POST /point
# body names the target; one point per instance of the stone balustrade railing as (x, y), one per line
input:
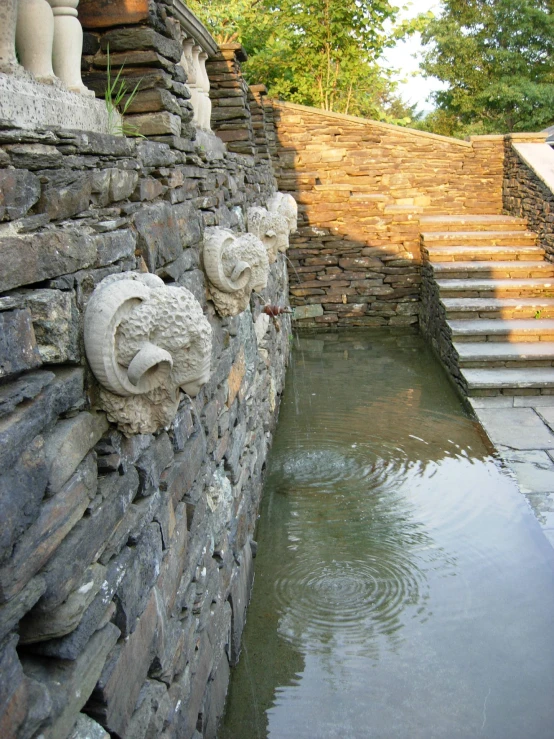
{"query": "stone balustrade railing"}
(48, 38)
(193, 62)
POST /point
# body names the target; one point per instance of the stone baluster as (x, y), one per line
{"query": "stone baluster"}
(206, 109)
(34, 38)
(68, 45)
(8, 20)
(191, 54)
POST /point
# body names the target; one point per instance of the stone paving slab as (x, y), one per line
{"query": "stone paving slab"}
(517, 428)
(534, 470)
(523, 438)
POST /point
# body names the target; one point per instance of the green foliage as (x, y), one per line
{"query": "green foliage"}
(321, 53)
(497, 60)
(118, 100)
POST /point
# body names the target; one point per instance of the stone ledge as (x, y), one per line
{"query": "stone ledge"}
(31, 105)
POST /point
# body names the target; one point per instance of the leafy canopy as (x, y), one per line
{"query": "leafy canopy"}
(321, 53)
(496, 58)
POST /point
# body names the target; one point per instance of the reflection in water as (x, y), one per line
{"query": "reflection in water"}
(402, 588)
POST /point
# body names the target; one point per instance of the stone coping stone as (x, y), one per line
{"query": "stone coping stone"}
(539, 158)
(32, 105)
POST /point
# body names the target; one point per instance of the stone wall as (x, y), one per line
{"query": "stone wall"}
(125, 560)
(526, 195)
(360, 187)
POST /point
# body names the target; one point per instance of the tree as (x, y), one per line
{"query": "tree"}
(321, 53)
(497, 60)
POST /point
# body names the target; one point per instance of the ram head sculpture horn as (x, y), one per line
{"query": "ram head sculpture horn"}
(145, 341)
(235, 266)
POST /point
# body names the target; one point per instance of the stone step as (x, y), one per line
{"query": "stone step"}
(516, 355)
(500, 270)
(457, 308)
(502, 381)
(499, 330)
(479, 238)
(471, 223)
(437, 254)
(482, 288)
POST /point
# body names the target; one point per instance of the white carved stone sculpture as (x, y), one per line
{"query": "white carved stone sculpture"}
(271, 228)
(144, 341)
(285, 205)
(68, 45)
(8, 20)
(188, 64)
(235, 265)
(205, 113)
(35, 37)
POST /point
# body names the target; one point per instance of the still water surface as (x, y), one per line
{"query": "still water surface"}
(403, 588)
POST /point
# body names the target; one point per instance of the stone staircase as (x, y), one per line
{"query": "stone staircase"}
(488, 303)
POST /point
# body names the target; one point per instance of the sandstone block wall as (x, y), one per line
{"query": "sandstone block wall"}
(361, 186)
(125, 562)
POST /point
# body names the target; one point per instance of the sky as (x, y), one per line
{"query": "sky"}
(413, 88)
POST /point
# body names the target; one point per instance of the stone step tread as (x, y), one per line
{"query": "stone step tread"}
(478, 235)
(517, 251)
(505, 350)
(475, 304)
(471, 283)
(501, 326)
(511, 265)
(501, 377)
(473, 219)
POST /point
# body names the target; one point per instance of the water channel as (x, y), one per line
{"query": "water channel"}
(403, 588)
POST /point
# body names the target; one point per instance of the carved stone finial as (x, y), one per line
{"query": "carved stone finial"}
(144, 341)
(271, 228)
(235, 265)
(285, 205)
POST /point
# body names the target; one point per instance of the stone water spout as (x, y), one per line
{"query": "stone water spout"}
(271, 228)
(144, 341)
(235, 265)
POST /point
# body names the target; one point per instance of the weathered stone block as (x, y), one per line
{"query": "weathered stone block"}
(155, 124)
(74, 681)
(57, 517)
(61, 393)
(139, 38)
(239, 598)
(37, 627)
(153, 462)
(88, 537)
(21, 490)
(61, 200)
(111, 247)
(118, 688)
(97, 614)
(14, 610)
(68, 444)
(55, 322)
(36, 257)
(14, 698)
(24, 388)
(86, 728)
(142, 572)
(19, 191)
(18, 347)
(151, 713)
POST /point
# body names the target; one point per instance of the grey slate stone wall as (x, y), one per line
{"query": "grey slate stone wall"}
(125, 563)
(526, 196)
